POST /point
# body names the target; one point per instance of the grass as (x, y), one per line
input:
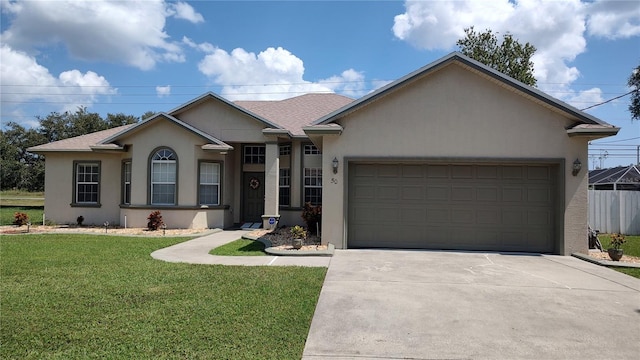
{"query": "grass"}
(240, 247)
(630, 247)
(93, 296)
(34, 213)
(21, 198)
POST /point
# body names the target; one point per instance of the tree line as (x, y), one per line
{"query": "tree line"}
(20, 169)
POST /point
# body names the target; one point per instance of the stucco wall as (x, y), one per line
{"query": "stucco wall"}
(224, 122)
(59, 188)
(455, 113)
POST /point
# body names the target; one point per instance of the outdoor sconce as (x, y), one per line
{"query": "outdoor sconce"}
(335, 163)
(577, 166)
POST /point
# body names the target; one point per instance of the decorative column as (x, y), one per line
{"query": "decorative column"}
(271, 186)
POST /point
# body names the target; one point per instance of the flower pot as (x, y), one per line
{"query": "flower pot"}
(615, 254)
(297, 243)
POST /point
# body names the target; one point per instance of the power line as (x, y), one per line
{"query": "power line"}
(606, 101)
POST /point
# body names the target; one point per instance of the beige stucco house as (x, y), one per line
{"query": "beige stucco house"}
(452, 156)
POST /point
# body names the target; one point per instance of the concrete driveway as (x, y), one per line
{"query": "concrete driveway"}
(388, 304)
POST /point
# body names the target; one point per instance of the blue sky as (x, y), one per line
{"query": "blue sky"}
(134, 56)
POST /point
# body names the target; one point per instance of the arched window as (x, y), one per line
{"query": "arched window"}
(164, 164)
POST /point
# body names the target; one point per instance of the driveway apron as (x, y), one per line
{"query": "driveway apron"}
(469, 305)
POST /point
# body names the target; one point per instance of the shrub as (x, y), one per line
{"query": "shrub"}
(20, 218)
(312, 215)
(80, 220)
(155, 220)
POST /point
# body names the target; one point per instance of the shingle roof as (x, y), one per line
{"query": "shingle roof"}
(296, 112)
(79, 143)
(617, 175)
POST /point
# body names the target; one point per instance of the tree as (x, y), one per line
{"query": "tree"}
(21, 169)
(509, 57)
(120, 119)
(634, 83)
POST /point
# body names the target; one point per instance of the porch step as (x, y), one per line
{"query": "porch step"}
(251, 226)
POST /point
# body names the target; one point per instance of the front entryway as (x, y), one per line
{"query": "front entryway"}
(252, 196)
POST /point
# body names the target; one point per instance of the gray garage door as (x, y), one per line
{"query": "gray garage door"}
(452, 206)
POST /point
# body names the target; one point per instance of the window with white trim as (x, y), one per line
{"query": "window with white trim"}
(254, 154)
(313, 185)
(285, 149)
(87, 183)
(163, 177)
(209, 190)
(126, 182)
(285, 187)
(310, 149)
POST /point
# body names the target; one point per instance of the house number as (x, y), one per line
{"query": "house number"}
(334, 180)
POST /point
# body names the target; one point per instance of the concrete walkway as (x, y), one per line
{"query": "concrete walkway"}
(196, 251)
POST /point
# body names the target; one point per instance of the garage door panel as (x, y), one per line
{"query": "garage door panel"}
(387, 192)
(462, 193)
(512, 194)
(413, 192)
(462, 172)
(438, 192)
(437, 216)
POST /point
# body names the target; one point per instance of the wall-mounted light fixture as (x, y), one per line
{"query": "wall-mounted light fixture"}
(577, 166)
(335, 164)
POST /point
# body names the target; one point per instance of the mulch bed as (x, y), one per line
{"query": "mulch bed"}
(282, 239)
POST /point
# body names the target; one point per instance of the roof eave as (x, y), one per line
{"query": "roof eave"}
(593, 133)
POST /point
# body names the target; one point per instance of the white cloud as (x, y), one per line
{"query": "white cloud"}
(25, 81)
(130, 32)
(585, 98)
(186, 12)
(350, 83)
(163, 90)
(556, 28)
(273, 74)
(204, 47)
(614, 19)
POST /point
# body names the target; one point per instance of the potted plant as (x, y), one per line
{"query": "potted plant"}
(299, 234)
(615, 252)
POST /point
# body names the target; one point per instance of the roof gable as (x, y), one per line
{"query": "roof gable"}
(580, 117)
(210, 96)
(159, 117)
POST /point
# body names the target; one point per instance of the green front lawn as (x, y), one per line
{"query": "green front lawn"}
(34, 213)
(240, 247)
(91, 296)
(631, 247)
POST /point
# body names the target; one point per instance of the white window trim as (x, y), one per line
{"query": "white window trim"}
(200, 183)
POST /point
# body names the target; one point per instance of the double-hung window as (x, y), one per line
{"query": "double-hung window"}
(285, 187)
(87, 183)
(126, 182)
(164, 164)
(313, 185)
(209, 186)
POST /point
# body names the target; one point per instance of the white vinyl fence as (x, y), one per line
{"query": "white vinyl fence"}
(615, 211)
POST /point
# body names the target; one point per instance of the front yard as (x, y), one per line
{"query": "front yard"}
(90, 296)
